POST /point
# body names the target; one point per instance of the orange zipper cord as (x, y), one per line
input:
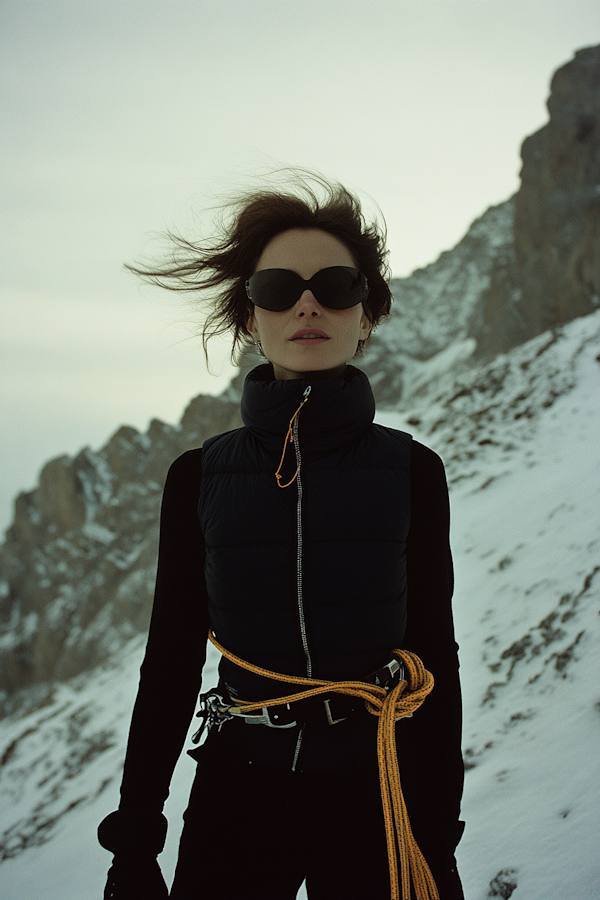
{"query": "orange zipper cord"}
(289, 438)
(398, 703)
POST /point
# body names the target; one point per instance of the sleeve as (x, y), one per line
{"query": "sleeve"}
(429, 744)
(171, 672)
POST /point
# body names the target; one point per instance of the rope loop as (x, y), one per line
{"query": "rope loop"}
(289, 438)
(405, 859)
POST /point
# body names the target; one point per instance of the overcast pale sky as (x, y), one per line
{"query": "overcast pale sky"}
(123, 118)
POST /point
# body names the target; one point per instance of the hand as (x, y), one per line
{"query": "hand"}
(135, 878)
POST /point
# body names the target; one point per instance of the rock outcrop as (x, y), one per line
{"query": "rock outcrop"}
(79, 560)
(556, 276)
(439, 306)
(526, 265)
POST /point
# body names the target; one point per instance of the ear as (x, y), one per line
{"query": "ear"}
(251, 328)
(365, 327)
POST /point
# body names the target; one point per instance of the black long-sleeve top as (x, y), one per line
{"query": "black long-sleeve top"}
(428, 744)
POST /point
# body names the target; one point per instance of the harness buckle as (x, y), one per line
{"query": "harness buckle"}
(330, 718)
(394, 667)
(266, 716)
(385, 677)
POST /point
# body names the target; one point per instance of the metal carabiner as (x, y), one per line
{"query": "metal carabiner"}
(213, 711)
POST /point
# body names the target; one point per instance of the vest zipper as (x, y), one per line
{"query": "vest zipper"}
(299, 574)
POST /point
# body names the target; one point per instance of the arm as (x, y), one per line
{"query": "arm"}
(171, 672)
(430, 742)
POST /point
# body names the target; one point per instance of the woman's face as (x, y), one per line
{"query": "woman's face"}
(286, 336)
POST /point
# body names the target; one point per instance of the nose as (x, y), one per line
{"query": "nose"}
(308, 306)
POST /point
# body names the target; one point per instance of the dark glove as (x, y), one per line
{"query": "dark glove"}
(136, 837)
(135, 878)
(133, 830)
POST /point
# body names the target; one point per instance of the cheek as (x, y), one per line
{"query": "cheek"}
(266, 325)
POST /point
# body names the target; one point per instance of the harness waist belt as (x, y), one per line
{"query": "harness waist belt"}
(327, 709)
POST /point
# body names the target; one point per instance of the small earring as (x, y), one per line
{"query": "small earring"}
(259, 348)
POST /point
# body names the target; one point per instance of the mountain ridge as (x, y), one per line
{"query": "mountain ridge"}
(77, 564)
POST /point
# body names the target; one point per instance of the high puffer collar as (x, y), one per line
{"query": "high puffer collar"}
(337, 412)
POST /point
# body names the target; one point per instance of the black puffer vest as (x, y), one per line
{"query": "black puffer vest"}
(311, 578)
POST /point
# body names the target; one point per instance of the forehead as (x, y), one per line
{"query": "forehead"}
(305, 251)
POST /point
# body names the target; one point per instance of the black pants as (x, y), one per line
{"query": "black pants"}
(255, 833)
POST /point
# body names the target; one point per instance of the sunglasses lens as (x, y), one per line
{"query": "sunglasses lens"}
(275, 289)
(337, 287)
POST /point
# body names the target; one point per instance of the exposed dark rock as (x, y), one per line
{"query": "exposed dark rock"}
(530, 650)
(79, 560)
(555, 273)
(525, 266)
(438, 305)
(503, 884)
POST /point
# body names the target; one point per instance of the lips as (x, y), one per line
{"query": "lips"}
(308, 335)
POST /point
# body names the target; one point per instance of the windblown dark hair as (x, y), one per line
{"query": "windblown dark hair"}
(254, 218)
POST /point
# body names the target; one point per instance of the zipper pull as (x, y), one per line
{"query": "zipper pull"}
(305, 395)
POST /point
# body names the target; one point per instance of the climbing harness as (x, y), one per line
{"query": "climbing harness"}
(215, 709)
(389, 705)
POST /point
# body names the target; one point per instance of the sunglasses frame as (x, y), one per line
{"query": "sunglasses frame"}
(307, 284)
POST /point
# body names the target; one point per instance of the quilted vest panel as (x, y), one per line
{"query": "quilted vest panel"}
(353, 527)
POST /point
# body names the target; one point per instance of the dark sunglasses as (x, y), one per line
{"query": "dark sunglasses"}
(337, 287)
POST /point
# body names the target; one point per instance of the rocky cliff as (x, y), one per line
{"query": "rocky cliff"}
(79, 560)
(526, 265)
(77, 566)
(556, 276)
(436, 309)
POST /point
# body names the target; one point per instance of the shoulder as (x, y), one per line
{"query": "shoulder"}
(187, 462)
(184, 475)
(395, 445)
(226, 438)
(392, 434)
(226, 451)
(182, 489)
(425, 460)
(428, 487)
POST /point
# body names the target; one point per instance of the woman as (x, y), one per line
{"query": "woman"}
(313, 543)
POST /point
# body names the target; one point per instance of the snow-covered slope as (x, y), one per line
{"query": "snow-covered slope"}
(60, 774)
(521, 439)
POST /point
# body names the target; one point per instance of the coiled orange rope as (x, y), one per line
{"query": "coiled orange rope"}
(399, 703)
